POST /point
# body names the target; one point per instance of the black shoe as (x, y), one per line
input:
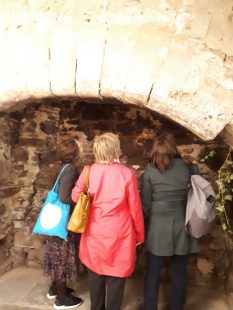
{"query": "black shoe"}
(53, 294)
(69, 302)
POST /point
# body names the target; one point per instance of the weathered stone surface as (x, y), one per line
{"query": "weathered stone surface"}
(62, 59)
(145, 63)
(117, 53)
(125, 50)
(32, 160)
(9, 191)
(91, 39)
(6, 266)
(220, 32)
(227, 134)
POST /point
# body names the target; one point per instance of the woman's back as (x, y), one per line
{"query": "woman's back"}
(109, 187)
(164, 191)
(164, 202)
(108, 244)
(172, 184)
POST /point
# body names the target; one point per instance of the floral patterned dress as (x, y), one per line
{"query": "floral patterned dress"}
(61, 261)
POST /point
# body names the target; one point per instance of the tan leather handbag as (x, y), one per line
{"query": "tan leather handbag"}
(79, 218)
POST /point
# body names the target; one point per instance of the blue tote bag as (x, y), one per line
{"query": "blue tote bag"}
(54, 215)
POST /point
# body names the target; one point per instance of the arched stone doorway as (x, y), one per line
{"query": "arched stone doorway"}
(173, 58)
(28, 158)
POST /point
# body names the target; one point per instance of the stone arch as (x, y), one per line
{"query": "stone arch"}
(173, 57)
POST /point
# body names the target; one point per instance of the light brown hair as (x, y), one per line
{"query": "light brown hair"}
(163, 151)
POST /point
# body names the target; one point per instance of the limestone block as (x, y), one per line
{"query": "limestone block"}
(205, 67)
(151, 47)
(124, 5)
(57, 48)
(8, 7)
(62, 54)
(90, 7)
(152, 5)
(195, 111)
(12, 87)
(36, 55)
(65, 7)
(176, 67)
(23, 63)
(160, 12)
(90, 52)
(117, 54)
(198, 22)
(220, 32)
(203, 96)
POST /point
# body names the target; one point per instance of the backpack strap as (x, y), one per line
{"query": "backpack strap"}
(191, 169)
(55, 186)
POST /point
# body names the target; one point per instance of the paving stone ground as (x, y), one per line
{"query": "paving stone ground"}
(25, 289)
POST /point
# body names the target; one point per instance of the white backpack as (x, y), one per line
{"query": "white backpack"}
(200, 208)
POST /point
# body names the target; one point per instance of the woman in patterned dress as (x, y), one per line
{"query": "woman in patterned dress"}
(61, 262)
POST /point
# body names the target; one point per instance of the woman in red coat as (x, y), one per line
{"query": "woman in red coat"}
(115, 226)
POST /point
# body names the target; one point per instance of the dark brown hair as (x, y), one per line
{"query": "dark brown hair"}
(67, 151)
(163, 151)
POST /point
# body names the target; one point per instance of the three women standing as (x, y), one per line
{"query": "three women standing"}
(116, 225)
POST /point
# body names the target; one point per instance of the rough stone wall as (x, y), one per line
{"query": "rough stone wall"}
(173, 56)
(28, 160)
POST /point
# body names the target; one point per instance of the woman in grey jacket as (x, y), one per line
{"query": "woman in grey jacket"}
(164, 189)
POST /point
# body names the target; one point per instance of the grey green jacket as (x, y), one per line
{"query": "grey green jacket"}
(164, 202)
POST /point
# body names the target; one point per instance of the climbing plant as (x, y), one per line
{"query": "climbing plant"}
(224, 197)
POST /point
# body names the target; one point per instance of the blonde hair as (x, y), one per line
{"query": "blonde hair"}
(106, 148)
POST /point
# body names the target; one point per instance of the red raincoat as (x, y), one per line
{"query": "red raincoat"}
(115, 223)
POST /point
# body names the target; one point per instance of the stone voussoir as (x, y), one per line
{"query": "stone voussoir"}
(140, 53)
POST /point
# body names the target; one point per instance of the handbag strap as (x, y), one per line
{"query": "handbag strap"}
(86, 178)
(56, 183)
(191, 169)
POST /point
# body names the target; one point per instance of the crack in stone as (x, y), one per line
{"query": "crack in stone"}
(102, 64)
(50, 87)
(50, 83)
(208, 28)
(49, 53)
(148, 98)
(106, 4)
(75, 75)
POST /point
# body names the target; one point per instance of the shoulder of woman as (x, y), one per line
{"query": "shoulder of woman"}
(70, 168)
(148, 167)
(128, 170)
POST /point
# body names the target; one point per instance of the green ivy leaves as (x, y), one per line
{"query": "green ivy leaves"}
(224, 197)
(209, 155)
